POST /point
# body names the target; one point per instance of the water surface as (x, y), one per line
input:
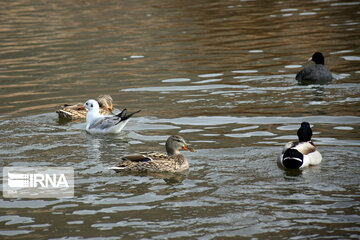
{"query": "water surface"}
(222, 75)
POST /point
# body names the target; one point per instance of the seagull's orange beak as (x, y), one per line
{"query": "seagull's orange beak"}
(111, 109)
(188, 148)
(81, 108)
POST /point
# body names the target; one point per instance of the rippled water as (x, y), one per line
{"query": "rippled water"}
(219, 73)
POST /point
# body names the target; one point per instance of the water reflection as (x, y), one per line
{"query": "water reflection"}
(292, 174)
(93, 148)
(169, 178)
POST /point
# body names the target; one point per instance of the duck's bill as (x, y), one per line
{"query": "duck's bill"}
(188, 148)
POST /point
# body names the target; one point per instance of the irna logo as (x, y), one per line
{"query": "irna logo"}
(45, 180)
(41, 182)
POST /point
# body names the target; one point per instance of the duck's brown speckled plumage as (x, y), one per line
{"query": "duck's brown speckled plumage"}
(77, 111)
(155, 162)
(173, 161)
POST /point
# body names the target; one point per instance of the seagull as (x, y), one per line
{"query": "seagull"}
(97, 123)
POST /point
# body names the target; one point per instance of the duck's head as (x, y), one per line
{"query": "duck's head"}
(304, 133)
(176, 143)
(318, 58)
(92, 105)
(106, 101)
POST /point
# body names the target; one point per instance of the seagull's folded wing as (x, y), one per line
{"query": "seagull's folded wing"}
(105, 122)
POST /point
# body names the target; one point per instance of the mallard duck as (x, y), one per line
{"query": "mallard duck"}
(300, 154)
(97, 123)
(317, 72)
(173, 161)
(78, 111)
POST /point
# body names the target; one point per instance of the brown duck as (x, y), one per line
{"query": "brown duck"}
(172, 161)
(78, 111)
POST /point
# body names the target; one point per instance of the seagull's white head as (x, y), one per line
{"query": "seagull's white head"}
(92, 105)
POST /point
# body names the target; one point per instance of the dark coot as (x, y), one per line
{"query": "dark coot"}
(317, 73)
